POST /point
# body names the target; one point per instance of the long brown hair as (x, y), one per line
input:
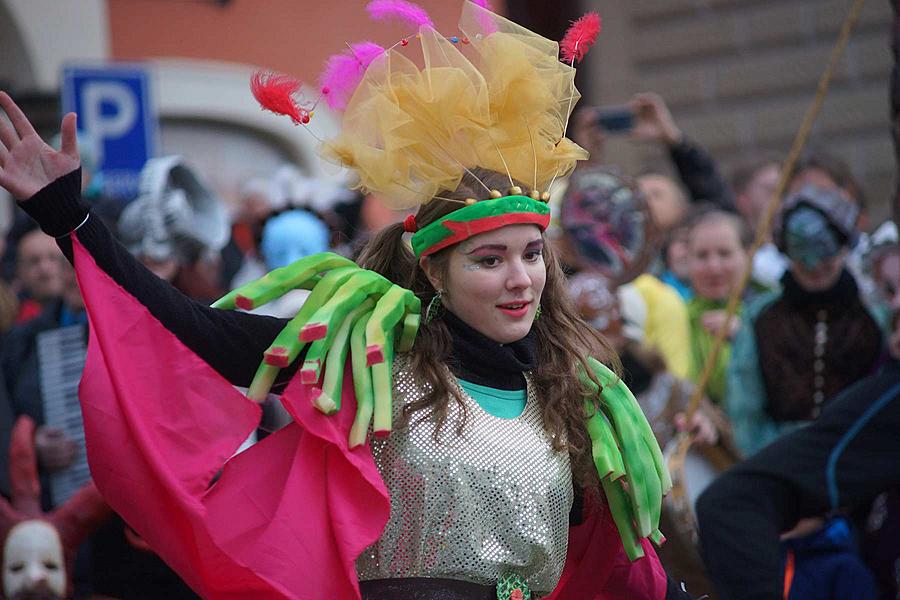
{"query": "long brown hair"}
(564, 341)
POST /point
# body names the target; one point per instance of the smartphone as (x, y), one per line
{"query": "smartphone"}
(614, 118)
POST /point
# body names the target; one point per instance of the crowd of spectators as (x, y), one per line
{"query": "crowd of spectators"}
(812, 321)
(652, 258)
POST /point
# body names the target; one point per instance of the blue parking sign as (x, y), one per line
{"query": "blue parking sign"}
(115, 107)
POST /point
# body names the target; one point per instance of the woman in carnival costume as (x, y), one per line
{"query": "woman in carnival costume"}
(519, 465)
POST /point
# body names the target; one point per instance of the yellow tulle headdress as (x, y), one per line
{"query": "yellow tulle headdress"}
(496, 97)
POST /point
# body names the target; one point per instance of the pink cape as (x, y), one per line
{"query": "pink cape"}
(286, 518)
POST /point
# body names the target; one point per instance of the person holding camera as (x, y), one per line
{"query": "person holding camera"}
(646, 118)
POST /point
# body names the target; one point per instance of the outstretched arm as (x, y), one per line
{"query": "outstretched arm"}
(697, 170)
(47, 184)
(351, 311)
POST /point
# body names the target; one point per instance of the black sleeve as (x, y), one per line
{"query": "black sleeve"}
(700, 174)
(843, 459)
(231, 342)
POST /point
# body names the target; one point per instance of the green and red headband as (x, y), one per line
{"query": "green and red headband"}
(475, 218)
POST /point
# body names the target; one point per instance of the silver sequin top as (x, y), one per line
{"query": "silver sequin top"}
(471, 507)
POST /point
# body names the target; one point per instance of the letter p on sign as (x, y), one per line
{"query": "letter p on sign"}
(115, 108)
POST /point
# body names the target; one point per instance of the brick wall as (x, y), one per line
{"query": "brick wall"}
(739, 75)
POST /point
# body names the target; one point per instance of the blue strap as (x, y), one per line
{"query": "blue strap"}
(862, 421)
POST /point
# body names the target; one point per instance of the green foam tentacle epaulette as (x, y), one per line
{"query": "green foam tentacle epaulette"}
(350, 311)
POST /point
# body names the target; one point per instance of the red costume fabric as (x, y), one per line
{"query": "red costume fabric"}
(287, 517)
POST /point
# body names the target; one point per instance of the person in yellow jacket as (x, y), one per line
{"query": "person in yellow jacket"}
(666, 328)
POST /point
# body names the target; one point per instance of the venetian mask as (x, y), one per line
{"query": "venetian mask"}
(33, 560)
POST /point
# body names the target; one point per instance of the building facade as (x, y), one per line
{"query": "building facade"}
(738, 75)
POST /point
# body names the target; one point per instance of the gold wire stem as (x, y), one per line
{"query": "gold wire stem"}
(454, 159)
(406, 187)
(533, 151)
(475, 177)
(568, 116)
(503, 160)
(318, 139)
(458, 201)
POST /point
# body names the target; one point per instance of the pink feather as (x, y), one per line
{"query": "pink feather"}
(580, 37)
(276, 92)
(485, 21)
(366, 52)
(407, 12)
(344, 71)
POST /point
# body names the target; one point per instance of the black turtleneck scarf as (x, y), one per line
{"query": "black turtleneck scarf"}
(479, 359)
(839, 296)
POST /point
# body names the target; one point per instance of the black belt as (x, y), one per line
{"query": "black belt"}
(425, 588)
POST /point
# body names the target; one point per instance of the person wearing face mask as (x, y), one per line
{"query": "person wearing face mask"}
(33, 566)
(815, 167)
(287, 237)
(717, 255)
(467, 363)
(38, 549)
(805, 343)
(842, 460)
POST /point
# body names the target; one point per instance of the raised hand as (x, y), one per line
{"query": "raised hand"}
(27, 163)
(714, 321)
(653, 121)
(701, 427)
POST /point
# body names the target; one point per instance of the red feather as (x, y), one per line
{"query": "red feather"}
(275, 92)
(580, 37)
